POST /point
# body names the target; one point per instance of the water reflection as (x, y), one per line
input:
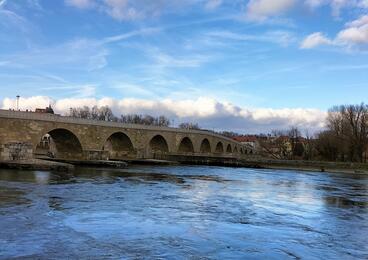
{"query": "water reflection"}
(12, 197)
(182, 212)
(341, 202)
(42, 177)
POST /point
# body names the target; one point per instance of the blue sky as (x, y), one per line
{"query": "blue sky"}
(244, 59)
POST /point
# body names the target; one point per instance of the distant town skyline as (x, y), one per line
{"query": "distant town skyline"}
(243, 65)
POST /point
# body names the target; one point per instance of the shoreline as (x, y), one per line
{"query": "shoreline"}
(313, 166)
(37, 165)
(69, 165)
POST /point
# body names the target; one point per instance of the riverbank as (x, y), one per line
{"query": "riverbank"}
(316, 166)
(68, 165)
(37, 165)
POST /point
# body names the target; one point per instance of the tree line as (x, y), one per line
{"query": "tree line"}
(105, 113)
(344, 139)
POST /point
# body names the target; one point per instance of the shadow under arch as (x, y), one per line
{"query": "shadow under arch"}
(219, 148)
(158, 147)
(186, 146)
(60, 143)
(119, 146)
(236, 149)
(228, 149)
(205, 146)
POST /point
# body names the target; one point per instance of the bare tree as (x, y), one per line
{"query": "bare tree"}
(144, 120)
(296, 147)
(95, 113)
(349, 124)
(189, 126)
(328, 146)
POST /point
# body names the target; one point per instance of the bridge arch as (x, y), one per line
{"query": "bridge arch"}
(219, 148)
(236, 150)
(205, 146)
(158, 144)
(186, 146)
(62, 143)
(228, 149)
(119, 146)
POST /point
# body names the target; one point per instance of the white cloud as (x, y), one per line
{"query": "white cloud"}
(208, 112)
(355, 34)
(260, 10)
(315, 39)
(29, 103)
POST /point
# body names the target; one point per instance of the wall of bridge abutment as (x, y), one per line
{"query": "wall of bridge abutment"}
(21, 132)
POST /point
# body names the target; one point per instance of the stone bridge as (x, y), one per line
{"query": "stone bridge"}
(82, 139)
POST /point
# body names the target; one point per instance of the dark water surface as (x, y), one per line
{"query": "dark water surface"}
(183, 212)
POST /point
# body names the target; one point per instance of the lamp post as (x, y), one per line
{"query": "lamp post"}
(18, 102)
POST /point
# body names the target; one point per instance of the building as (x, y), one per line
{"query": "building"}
(47, 110)
(251, 141)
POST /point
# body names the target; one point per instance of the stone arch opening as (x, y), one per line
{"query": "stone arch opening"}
(186, 146)
(241, 151)
(205, 146)
(228, 149)
(158, 144)
(60, 143)
(219, 148)
(236, 149)
(119, 146)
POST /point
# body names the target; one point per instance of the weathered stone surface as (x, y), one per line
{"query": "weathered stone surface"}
(21, 132)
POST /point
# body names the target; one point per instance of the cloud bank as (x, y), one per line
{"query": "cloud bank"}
(208, 113)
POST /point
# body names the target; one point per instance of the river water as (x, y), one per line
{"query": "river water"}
(183, 212)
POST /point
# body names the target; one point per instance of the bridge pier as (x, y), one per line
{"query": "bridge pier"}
(94, 155)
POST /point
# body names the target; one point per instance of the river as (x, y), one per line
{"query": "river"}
(183, 212)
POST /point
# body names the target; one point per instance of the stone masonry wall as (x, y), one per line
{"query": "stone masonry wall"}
(16, 151)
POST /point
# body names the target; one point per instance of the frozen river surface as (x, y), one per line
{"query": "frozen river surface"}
(183, 212)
